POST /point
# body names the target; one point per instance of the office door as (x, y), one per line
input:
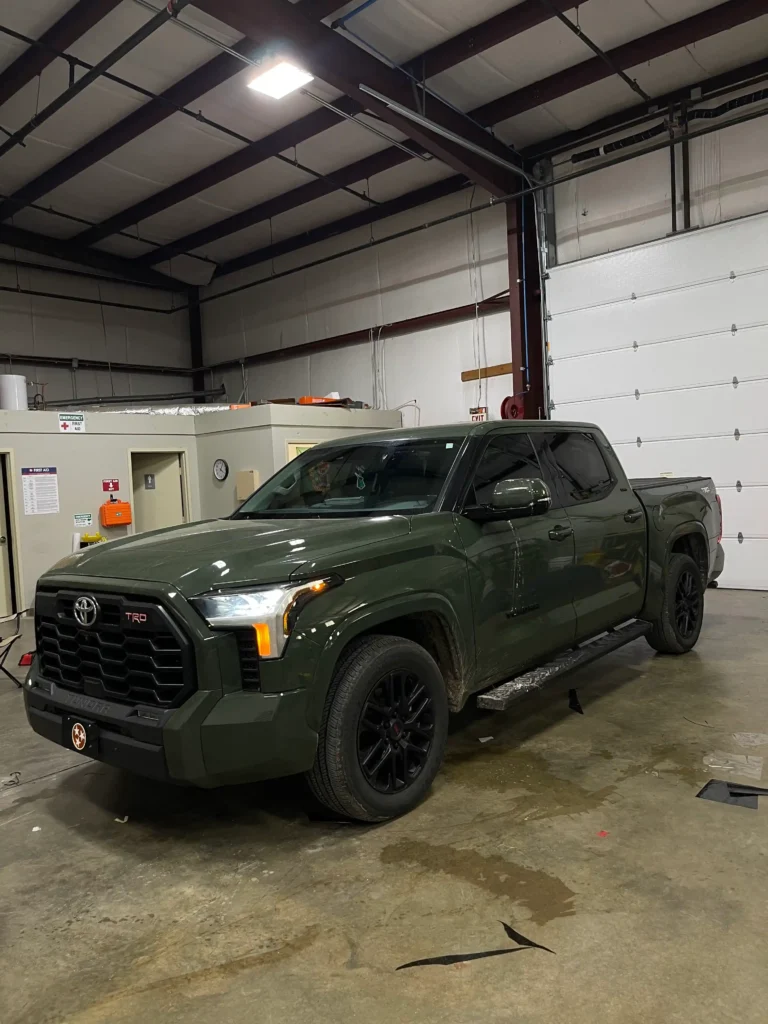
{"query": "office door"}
(158, 491)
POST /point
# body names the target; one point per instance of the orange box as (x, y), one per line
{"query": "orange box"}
(115, 513)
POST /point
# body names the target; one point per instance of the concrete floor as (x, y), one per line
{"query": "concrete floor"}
(238, 906)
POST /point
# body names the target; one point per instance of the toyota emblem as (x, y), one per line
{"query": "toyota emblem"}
(86, 610)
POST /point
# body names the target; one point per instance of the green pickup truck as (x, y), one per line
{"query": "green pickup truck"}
(369, 588)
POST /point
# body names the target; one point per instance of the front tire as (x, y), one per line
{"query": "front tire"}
(678, 626)
(384, 730)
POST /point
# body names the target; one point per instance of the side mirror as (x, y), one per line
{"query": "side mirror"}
(514, 499)
(526, 497)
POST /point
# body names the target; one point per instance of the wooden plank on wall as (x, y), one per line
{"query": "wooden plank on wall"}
(486, 371)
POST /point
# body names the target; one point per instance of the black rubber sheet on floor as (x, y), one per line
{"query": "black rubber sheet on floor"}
(459, 958)
(736, 794)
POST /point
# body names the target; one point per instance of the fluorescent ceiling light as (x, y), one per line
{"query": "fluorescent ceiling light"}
(280, 79)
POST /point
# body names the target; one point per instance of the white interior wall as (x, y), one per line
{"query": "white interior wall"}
(630, 203)
(37, 326)
(451, 265)
(82, 461)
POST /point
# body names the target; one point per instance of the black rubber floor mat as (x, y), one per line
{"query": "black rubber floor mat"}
(736, 794)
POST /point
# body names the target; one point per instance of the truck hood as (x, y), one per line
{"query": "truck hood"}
(222, 552)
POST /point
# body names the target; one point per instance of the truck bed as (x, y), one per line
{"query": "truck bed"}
(644, 482)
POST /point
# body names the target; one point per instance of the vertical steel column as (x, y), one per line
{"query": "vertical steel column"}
(532, 292)
(196, 342)
(515, 258)
(525, 307)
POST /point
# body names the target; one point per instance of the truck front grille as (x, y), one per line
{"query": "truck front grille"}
(134, 652)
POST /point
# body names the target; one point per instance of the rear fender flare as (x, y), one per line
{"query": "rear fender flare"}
(658, 560)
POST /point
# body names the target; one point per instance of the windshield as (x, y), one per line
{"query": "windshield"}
(368, 478)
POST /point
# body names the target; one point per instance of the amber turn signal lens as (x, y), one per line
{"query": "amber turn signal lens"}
(263, 639)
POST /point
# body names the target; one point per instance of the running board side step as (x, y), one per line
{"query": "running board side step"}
(502, 696)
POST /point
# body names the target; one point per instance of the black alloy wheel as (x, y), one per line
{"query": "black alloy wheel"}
(395, 732)
(679, 614)
(383, 732)
(688, 604)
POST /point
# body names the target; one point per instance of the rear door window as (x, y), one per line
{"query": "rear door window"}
(582, 472)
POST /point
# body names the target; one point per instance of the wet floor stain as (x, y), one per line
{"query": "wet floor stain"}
(667, 761)
(545, 896)
(534, 791)
(542, 794)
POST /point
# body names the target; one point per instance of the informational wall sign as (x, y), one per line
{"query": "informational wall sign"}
(83, 519)
(296, 448)
(110, 485)
(479, 415)
(149, 481)
(72, 422)
(40, 489)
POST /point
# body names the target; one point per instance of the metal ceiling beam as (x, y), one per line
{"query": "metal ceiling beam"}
(83, 16)
(70, 27)
(588, 41)
(631, 116)
(63, 249)
(475, 40)
(639, 51)
(559, 144)
(344, 65)
(79, 85)
(199, 82)
(409, 201)
(235, 163)
(672, 37)
(358, 171)
(724, 16)
(319, 9)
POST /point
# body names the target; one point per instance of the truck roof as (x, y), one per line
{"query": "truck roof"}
(456, 430)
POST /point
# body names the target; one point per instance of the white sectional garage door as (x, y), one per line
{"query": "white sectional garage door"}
(665, 346)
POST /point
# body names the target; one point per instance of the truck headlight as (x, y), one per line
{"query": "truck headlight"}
(271, 612)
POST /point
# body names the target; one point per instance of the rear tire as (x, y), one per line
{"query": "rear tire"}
(383, 732)
(678, 626)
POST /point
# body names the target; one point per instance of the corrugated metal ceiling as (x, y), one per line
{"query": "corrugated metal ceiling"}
(400, 29)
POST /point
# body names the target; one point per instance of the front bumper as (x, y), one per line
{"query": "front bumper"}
(209, 741)
(220, 734)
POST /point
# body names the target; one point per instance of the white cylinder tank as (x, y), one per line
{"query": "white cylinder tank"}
(13, 392)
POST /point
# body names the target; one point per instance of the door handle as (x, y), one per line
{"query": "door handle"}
(633, 515)
(561, 533)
